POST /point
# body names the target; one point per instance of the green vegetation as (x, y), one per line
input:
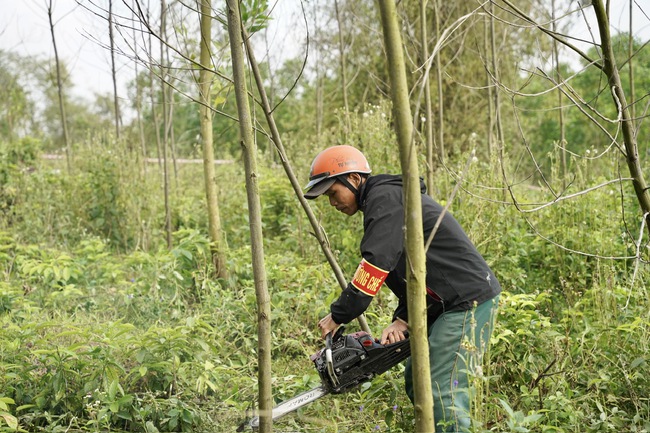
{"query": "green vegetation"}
(104, 329)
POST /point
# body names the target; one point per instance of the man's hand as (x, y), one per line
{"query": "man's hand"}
(327, 325)
(394, 333)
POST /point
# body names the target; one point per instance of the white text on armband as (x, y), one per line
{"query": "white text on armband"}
(368, 278)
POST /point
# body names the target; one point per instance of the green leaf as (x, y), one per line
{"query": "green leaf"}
(112, 389)
(11, 420)
(149, 427)
(7, 400)
(637, 362)
(65, 274)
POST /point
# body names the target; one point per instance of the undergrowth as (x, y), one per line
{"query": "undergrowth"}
(102, 328)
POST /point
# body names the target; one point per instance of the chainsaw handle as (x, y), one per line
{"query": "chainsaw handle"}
(329, 360)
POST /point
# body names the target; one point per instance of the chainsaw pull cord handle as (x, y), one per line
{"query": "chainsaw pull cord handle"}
(329, 360)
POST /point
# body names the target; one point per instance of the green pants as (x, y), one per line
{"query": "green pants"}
(456, 339)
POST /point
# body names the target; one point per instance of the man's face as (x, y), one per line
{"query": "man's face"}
(342, 198)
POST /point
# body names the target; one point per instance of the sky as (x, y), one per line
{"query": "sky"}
(24, 29)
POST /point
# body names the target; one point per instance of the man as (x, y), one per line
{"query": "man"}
(462, 291)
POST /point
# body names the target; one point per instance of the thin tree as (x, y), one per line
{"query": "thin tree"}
(217, 241)
(558, 78)
(319, 82)
(611, 71)
(414, 236)
(59, 87)
(116, 103)
(428, 110)
(167, 89)
(441, 106)
(168, 86)
(152, 93)
(138, 96)
(343, 66)
(165, 125)
(249, 149)
(495, 76)
(630, 64)
(489, 85)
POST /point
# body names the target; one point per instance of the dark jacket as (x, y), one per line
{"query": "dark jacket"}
(457, 275)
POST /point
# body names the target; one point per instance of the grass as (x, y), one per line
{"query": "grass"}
(104, 329)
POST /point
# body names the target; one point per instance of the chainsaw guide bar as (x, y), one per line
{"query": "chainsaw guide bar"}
(346, 362)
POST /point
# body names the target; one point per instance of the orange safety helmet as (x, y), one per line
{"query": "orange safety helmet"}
(332, 162)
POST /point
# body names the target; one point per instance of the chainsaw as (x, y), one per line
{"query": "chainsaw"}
(346, 362)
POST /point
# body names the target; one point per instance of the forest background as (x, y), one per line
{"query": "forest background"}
(127, 298)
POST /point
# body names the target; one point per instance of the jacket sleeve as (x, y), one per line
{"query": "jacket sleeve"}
(350, 304)
(381, 249)
(401, 312)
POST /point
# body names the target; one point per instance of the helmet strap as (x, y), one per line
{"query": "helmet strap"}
(344, 180)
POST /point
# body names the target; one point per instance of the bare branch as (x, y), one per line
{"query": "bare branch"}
(582, 253)
(550, 33)
(570, 196)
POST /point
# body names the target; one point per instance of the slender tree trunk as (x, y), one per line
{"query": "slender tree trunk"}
(113, 74)
(172, 132)
(171, 136)
(297, 188)
(271, 95)
(319, 84)
(319, 104)
(152, 95)
(441, 105)
(414, 238)
(627, 125)
(217, 242)
(558, 79)
(428, 110)
(488, 85)
(255, 217)
(630, 65)
(138, 100)
(59, 87)
(165, 134)
(344, 80)
(497, 99)
(169, 106)
(495, 74)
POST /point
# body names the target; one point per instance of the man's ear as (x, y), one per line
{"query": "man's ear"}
(355, 179)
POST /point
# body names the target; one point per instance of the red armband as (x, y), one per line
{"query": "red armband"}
(368, 278)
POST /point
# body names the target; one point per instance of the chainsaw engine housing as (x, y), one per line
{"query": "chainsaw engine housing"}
(356, 358)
